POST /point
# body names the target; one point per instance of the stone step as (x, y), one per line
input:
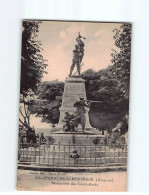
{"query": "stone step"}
(83, 154)
(70, 161)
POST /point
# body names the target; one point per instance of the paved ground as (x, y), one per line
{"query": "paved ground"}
(60, 181)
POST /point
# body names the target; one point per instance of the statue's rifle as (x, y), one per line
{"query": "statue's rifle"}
(90, 101)
(93, 101)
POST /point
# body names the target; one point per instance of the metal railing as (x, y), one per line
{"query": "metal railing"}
(62, 155)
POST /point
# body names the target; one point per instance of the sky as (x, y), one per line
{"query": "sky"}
(58, 41)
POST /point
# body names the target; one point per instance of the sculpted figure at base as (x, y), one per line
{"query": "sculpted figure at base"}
(66, 120)
(71, 122)
(80, 105)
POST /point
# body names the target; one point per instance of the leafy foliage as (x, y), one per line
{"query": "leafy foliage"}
(32, 69)
(111, 85)
(27, 99)
(50, 95)
(121, 58)
(32, 62)
(103, 86)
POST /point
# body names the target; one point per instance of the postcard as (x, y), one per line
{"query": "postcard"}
(74, 106)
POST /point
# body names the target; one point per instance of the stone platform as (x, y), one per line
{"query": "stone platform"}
(74, 138)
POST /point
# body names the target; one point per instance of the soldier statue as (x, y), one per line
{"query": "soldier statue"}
(78, 54)
(80, 105)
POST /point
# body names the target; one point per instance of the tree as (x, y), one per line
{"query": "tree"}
(32, 67)
(26, 101)
(111, 85)
(121, 65)
(103, 86)
(121, 58)
(50, 95)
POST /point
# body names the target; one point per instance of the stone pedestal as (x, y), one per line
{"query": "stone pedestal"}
(74, 89)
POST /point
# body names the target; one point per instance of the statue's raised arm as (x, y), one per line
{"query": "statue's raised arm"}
(81, 46)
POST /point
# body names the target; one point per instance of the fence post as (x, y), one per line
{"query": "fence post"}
(44, 154)
(69, 152)
(48, 153)
(85, 153)
(105, 154)
(39, 153)
(114, 153)
(27, 153)
(35, 155)
(59, 154)
(30, 154)
(64, 154)
(22, 151)
(53, 153)
(90, 152)
(74, 158)
(118, 155)
(95, 155)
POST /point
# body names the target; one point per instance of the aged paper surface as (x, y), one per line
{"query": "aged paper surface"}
(74, 106)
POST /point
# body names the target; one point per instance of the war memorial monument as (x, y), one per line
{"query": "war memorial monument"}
(74, 124)
(73, 142)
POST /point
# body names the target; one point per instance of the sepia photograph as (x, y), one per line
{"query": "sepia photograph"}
(74, 106)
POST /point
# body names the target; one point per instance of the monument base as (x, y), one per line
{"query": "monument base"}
(74, 89)
(74, 139)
